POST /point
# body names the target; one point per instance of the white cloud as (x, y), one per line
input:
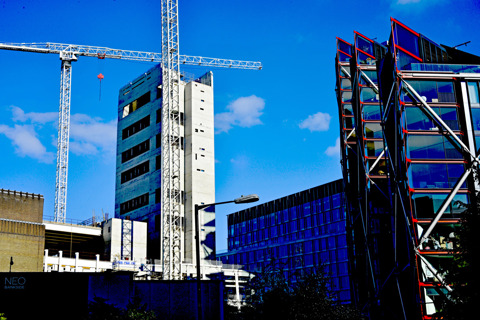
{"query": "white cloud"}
(24, 139)
(318, 122)
(34, 117)
(90, 135)
(243, 112)
(415, 6)
(240, 162)
(407, 1)
(334, 150)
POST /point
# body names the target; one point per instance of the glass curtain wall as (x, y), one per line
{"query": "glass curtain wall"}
(427, 132)
(295, 234)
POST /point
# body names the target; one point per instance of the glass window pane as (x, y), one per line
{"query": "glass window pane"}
(373, 130)
(374, 148)
(372, 75)
(445, 91)
(473, 94)
(343, 57)
(428, 175)
(364, 45)
(346, 84)
(434, 175)
(346, 96)
(368, 95)
(417, 120)
(477, 142)
(425, 147)
(347, 109)
(371, 112)
(426, 89)
(344, 72)
(326, 203)
(364, 59)
(344, 47)
(449, 116)
(476, 119)
(455, 171)
(380, 168)
(426, 205)
(406, 40)
(404, 60)
(432, 91)
(451, 151)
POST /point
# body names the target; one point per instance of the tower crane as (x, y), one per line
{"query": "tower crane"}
(170, 61)
(69, 53)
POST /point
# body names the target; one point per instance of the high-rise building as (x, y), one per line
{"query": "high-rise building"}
(138, 175)
(411, 117)
(295, 234)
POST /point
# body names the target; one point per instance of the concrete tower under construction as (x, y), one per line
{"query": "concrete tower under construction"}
(138, 169)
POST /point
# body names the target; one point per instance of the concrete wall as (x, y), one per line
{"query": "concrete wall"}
(22, 235)
(199, 166)
(21, 206)
(24, 242)
(197, 161)
(149, 182)
(113, 237)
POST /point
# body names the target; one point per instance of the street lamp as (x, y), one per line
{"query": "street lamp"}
(198, 207)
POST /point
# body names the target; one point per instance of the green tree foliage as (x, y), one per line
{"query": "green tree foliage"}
(463, 271)
(101, 310)
(273, 297)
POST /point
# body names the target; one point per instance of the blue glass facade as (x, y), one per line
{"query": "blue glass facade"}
(407, 160)
(296, 234)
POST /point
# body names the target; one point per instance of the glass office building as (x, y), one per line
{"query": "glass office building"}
(295, 234)
(427, 128)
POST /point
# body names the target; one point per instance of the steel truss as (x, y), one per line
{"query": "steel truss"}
(104, 52)
(63, 135)
(365, 181)
(69, 53)
(461, 147)
(363, 202)
(416, 246)
(171, 160)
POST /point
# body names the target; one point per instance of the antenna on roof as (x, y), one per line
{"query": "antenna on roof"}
(462, 44)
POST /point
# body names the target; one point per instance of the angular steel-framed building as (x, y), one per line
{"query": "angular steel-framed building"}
(428, 131)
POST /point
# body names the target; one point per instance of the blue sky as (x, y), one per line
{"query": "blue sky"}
(277, 128)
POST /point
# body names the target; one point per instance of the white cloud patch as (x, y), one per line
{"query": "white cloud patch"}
(240, 162)
(318, 122)
(334, 150)
(407, 1)
(35, 117)
(91, 135)
(88, 135)
(244, 112)
(26, 143)
(417, 5)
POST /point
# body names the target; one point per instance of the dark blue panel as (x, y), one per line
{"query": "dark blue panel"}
(371, 112)
(435, 175)
(407, 40)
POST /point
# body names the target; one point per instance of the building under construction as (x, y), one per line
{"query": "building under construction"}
(409, 117)
(139, 163)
